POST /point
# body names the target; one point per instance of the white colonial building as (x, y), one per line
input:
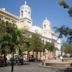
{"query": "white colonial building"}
(24, 21)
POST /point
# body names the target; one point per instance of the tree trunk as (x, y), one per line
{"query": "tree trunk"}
(37, 56)
(12, 62)
(5, 59)
(28, 55)
(40, 56)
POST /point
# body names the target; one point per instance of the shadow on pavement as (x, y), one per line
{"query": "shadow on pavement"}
(65, 70)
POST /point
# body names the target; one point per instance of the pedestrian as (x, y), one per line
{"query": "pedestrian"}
(5, 59)
(43, 60)
(61, 57)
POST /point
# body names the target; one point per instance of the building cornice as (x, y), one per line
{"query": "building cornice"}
(9, 14)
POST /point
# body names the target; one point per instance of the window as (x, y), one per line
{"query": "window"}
(22, 13)
(25, 10)
(44, 25)
(28, 12)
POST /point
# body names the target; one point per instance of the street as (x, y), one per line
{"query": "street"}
(33, 67)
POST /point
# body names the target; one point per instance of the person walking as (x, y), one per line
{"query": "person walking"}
(43, 60)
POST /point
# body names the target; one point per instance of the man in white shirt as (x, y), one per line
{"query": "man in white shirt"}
(43, 60)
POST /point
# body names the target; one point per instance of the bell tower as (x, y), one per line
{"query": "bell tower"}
(25, 11)
(25, 15)
(46, 25)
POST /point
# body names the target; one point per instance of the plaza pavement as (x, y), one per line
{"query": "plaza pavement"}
(33, 67)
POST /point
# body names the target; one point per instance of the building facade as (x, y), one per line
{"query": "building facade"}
(24, 21)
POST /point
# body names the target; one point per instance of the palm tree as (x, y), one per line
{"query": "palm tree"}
(63, 3)
(67, 6)
(70, 11)
(64, 31)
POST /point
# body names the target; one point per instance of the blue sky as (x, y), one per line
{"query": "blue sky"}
(40, 9)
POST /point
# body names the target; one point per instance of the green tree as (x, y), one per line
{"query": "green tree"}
(64, 31)
(67, 48)
(66, 5)
(49, 46)
(24, 42)
(36, 43)
(8, 37)
(63, 3)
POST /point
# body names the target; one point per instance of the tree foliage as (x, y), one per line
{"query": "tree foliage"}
(8, 36)
(63, 3)
(64, 31)
(67, 6)
(50, 46)
(36, 42)
(67, 47)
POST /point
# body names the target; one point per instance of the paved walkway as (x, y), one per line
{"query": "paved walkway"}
(33, 67)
